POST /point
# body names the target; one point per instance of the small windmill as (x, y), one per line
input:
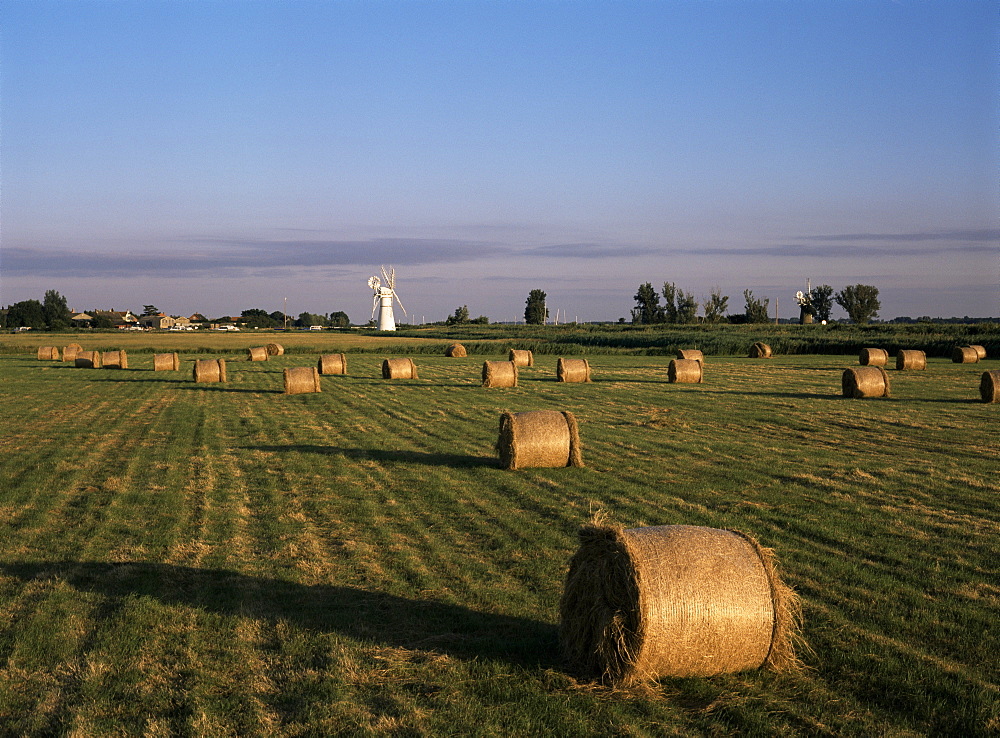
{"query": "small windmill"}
(384, 294)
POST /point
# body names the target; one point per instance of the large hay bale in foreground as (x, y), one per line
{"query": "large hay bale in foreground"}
(88, 359)
(332, 364)
(521, 357)
(166, 362)
(873, 357)
(275, 349)
(989, 386)
(865, 381)
(964, 355)
(455, 350)
(115, 360)
(694, 354)
(210, 370)
(48, 353)
(980, 350)
(301, 379)
(399, 369)
(539, 438)
(911, 359)
(760, 351)
(572, 370)
(675, 600)
(70, 351)
(258, 353)
(685, 371)
(499, 374)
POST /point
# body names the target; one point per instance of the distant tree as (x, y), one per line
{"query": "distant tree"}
(481, 320)
(309, 319)
(669, 309)
(277, 319)
(460, 316)
(28, 313)
(339, 319)
(686, 307)
(149, 310)
(822, 301)
(535, 311)
(57, 314)
(257, 318)
(715, 306)
(647, 309)
(756, 310)
(101, 321)
(860, 301)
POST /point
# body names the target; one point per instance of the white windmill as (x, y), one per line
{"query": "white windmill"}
(384, 293)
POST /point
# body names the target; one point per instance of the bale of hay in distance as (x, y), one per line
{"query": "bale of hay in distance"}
(332, 364)
(686, 371)
(989, 386)
(675, 600)
(166, 362)
(275, 349)
(760, 351)
(499, 374)
(573, 370)
(258, 353)
(115, 360)
(980, 350)
(455, 350)
(70, 351)
(964, 355)
(48, 353)
(88, 359)
(399, 369)
(210, 370)
(873, 357)
(911, 359)
(694, 354)
(521, 357)
(539, 438)
(865, 381)
(301, 379)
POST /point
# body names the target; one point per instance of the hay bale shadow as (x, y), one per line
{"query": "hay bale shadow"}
(386, 455)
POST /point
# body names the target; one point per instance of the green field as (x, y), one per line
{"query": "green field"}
(212, 560)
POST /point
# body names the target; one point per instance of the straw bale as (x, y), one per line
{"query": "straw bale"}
(115, 360)
(573, 370)
(332, 364)
(865, 381)
(166, 362)
(456, 350)
(691, 354)
(210, 370)
(539, 438)
(873, 357)
(760, 351)
(399, 369)
(499, 374)
(301, 379)
(258, 353)
(521, 357)
(48, 353)
(70, 351)
(88, 359)
(275, 349)
(686, 371)
(989, 386)
(911, 359)
(675, 600)
(964, 355)
(980, 350)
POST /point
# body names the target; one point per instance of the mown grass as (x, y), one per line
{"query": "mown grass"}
(183, 559)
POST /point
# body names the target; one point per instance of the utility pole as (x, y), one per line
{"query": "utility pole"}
(284, 315)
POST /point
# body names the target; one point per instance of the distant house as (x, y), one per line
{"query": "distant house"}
(161, 321)
(122, 320)
(198, 318)
(182, 322)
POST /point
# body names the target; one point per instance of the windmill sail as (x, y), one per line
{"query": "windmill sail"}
(383, 293)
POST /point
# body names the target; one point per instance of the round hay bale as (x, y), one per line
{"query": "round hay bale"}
(686, 371)
(964, 355)
(980, 350)
(694, 354)
(166, 362)
(275, 349)
(539, 438)
(88, 359)
(521, 357)
(115, 360)
(301, 379)
(399, 369)
(499, 374)
(70, 351)
(258, 353)
(760, 351)
(48, 353)
(989, 386)
(873, 357)
(675, 600)
(865, 381)
(911, 359)
(332, 364)
(210, 370)
(456, 350)
(573, 370)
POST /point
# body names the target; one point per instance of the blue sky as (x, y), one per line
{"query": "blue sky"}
(219, 155)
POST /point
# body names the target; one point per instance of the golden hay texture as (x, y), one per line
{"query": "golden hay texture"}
(455, 350)
(675, 600)
(399, 369)
(686, 371)
(499, 374)
(88, 359)
(691, 354)
(989, 386)
(166, 362)
(865, 381)
(760, 351)
(301, 379)
(275, 349)
(48, 353)
(115, 360)
(980, 350)
(873, 357)
(210, 370)
(964, 355)
(539, 438)
(521, 357)
(332, 364)
(911, 359)
(572, 370)
(258, 353)
(70, 351)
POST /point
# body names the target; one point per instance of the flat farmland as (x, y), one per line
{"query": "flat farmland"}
(225, 559)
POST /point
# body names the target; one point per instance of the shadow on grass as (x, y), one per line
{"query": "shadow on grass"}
(406, 457)
(223, 387)
(389, 620)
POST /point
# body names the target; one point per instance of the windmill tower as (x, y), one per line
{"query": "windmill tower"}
(384, 293)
